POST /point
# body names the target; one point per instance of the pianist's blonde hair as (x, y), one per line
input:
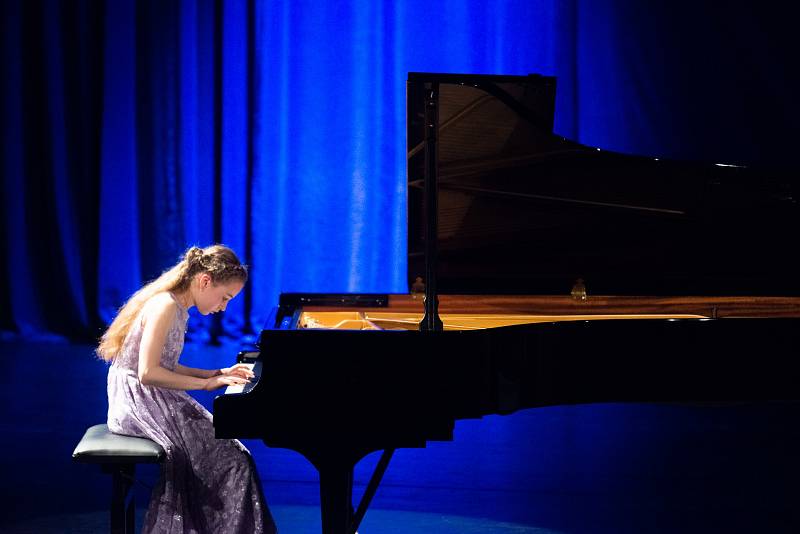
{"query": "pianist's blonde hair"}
(218, 261)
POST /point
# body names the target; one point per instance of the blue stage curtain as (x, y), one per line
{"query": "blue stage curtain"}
(51, 111)
(134, 129)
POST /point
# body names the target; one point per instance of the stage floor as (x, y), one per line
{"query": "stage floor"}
(298, 520)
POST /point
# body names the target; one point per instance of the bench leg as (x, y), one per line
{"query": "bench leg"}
(130, 516)
(122, 516)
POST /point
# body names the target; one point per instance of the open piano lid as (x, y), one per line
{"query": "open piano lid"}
(523, 211)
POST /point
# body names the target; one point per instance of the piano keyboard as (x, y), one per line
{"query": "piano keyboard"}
(244, 388)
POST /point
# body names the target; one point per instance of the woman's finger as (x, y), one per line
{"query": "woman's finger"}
(241, 369)
(232, 380)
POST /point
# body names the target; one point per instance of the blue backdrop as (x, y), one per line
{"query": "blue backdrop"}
(132, 130)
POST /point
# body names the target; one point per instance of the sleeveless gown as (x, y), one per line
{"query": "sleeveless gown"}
(207, 485)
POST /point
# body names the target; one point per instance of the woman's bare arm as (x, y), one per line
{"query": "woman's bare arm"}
(159, 314)
(198, 373)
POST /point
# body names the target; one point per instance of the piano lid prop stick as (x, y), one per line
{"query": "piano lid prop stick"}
(431, 321)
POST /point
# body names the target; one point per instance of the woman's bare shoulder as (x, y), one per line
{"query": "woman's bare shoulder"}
(159, 305)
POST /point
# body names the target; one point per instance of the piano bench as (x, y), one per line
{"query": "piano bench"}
(118, 456)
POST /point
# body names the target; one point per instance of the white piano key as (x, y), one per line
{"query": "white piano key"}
(239, 388)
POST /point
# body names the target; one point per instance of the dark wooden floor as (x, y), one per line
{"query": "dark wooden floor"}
(586, 469)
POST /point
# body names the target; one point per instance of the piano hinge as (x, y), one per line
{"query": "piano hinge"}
(578, 291)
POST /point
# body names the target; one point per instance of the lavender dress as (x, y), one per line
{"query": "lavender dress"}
(207, 485)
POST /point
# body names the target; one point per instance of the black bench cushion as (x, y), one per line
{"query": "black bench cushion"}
(100, 445)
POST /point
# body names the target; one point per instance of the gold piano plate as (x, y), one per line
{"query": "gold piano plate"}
(474, 312)
(352, 320)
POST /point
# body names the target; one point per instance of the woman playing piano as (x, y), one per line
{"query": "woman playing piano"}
(207, 485)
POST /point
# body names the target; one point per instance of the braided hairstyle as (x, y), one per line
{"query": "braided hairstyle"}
(218, 261)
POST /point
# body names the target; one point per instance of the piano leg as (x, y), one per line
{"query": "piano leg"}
(335, 468)
(336, 493)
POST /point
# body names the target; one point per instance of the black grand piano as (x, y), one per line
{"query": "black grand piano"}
(541, 272)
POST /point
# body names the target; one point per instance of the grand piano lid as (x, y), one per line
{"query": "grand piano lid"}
(524, 211)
